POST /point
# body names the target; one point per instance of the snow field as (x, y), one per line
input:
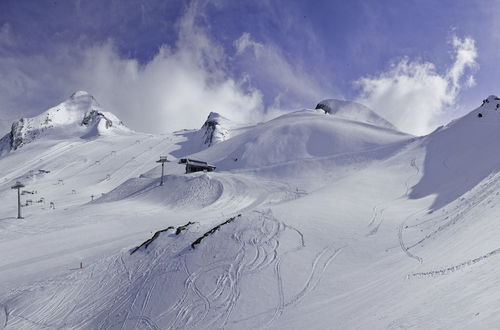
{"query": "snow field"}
(343, 225)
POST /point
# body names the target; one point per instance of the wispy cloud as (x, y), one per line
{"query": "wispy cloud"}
(293, 85)
(6, 38)
(412, 94)
(176, 89)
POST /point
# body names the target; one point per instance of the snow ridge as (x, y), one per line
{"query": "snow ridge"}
(353, 111)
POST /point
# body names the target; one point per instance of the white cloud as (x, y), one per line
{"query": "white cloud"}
(292, 84)
(412, 94)
(245, 42)
(176, 89)
(466, 54)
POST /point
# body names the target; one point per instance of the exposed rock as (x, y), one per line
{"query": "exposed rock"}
(215, 129)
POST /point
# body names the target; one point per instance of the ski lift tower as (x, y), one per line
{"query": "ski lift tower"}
(163, 160)
(18, 186)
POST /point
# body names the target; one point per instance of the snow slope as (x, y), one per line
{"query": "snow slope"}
(297, 136)
(321, 222)
(353, 111)
(461, 155)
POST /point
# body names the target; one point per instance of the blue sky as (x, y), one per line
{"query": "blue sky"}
(164, 65)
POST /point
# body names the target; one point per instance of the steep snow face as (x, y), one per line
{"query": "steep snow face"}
(461, 154)
(215, 129)
(80, 115)
(353, 111)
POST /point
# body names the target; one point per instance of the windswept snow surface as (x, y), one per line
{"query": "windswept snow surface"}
(353, 111)
(311, 221)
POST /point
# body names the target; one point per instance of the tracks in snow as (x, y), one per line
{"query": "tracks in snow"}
(402, 225)
(448, 270)
(174, 287)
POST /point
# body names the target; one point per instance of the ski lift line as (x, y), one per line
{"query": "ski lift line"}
(111, 153)
(115, 152)
(137, 156)
(36, 161)
(138, 169)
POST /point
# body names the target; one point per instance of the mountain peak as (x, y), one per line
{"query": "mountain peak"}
(353, 111)
(215, 129)
(213, 116)
(78, 94)
(78, 116)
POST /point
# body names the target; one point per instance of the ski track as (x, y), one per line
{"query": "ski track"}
(448, 270)
(486, 190)
(319, 266)
(194, 308)
(378, 211)
(401, 227)
(404, 248)
(259, 246)
(480, 195)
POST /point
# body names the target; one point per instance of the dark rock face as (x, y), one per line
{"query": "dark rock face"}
(324, 107)
(210, 127)
(22, 133)
(213, 130)
(94, 116)
(16, 134)
(5, 144)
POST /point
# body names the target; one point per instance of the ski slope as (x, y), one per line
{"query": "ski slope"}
(311, 221)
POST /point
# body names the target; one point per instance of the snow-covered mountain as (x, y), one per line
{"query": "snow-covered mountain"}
(313, 219)
(215, 129)
(300, 139)
(353, 111)
(80, 115)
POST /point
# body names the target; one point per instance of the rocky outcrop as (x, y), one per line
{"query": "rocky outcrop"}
(215, 129)
(93, 117)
